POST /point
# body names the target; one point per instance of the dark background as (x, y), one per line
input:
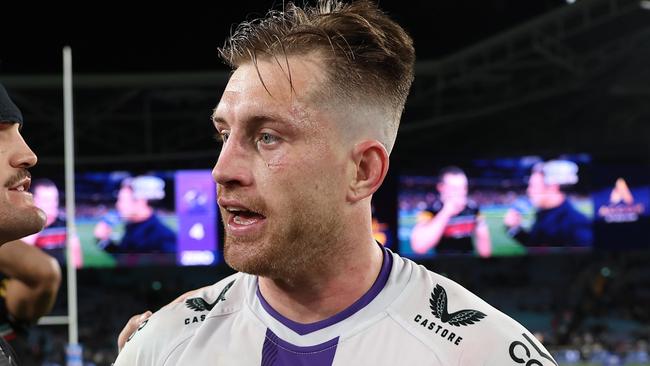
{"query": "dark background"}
(494, 78)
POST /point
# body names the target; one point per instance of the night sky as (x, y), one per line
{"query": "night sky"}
(112, 37)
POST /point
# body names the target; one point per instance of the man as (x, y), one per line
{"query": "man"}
(557, 222)
(18, 214)
(32, 278)
(451, 222)
(52, 239)
(144, 231)
(308, 118)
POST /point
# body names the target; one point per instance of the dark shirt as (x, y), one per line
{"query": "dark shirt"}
(7, 355)
(6, 325)
(149, 236)
(9, 328)
(457, 237)
(52, 240)
(559, 226)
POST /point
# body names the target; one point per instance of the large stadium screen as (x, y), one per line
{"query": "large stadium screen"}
(497, 207)
(159, 218)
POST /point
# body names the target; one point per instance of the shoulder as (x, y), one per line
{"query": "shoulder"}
(576, 214)
(457, 325)
(225, 296)
(176, 323)
(158, 222)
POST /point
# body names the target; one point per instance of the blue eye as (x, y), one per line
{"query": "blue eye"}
(224, 136)
(267, 138)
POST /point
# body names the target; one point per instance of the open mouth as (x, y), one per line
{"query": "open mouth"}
(21, 186)
(244, 217)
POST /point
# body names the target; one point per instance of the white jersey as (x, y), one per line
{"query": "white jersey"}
(410, 316)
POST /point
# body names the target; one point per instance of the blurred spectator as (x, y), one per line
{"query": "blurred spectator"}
(452, 224)
(144, 231)
(52, 239)
(557, 222)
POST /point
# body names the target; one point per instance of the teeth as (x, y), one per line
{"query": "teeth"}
(20, 188)
(242, 221)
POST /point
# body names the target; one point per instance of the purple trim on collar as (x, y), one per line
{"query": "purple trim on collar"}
(278, 352)
(374, 290)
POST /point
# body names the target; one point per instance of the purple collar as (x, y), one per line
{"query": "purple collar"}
(374, 290)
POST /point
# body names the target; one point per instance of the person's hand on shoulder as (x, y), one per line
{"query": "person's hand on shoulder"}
(136, 321)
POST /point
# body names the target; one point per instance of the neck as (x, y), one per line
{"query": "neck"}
(141, 215)
(329, 291)
(553, 201)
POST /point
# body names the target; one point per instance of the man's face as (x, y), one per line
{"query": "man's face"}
(281, 173)
(453, 187)
(127, 205)
(537, 189)
(19, 216)
(47, 199)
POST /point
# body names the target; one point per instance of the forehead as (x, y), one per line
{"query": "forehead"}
(282, 85)
(536, 178)
(125, 191)
(454, 179)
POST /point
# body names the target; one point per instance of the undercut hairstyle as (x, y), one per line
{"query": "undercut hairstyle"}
(367, 57)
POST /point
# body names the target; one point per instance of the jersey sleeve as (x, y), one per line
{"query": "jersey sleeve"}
(147, 346)
(461, 329)
(172, 326)
(508, 344)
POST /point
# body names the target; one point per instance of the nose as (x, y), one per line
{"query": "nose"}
(233, 165)
(22, 156)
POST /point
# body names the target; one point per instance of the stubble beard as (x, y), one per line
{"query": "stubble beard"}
(291, 248)
(16, 224)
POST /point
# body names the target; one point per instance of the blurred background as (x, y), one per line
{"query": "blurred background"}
(501, 85)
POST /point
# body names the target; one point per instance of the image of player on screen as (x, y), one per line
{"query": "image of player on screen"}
(52, 239)
(452, 224)
(144, 232)
(557, 221)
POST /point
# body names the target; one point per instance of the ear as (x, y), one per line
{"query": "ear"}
(370, 160)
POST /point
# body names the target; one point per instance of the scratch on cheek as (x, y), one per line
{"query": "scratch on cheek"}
(276, 160)
(274, 163)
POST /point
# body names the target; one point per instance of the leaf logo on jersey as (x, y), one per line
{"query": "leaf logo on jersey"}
(199, 304)
(438, 307)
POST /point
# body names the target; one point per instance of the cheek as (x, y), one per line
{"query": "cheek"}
(303, 169)
(302, 173)
(276, 161)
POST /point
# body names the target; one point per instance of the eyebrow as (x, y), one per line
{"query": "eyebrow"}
(257, 119)
(217, 119)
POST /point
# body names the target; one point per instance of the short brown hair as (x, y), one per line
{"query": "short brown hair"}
(370, 58)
